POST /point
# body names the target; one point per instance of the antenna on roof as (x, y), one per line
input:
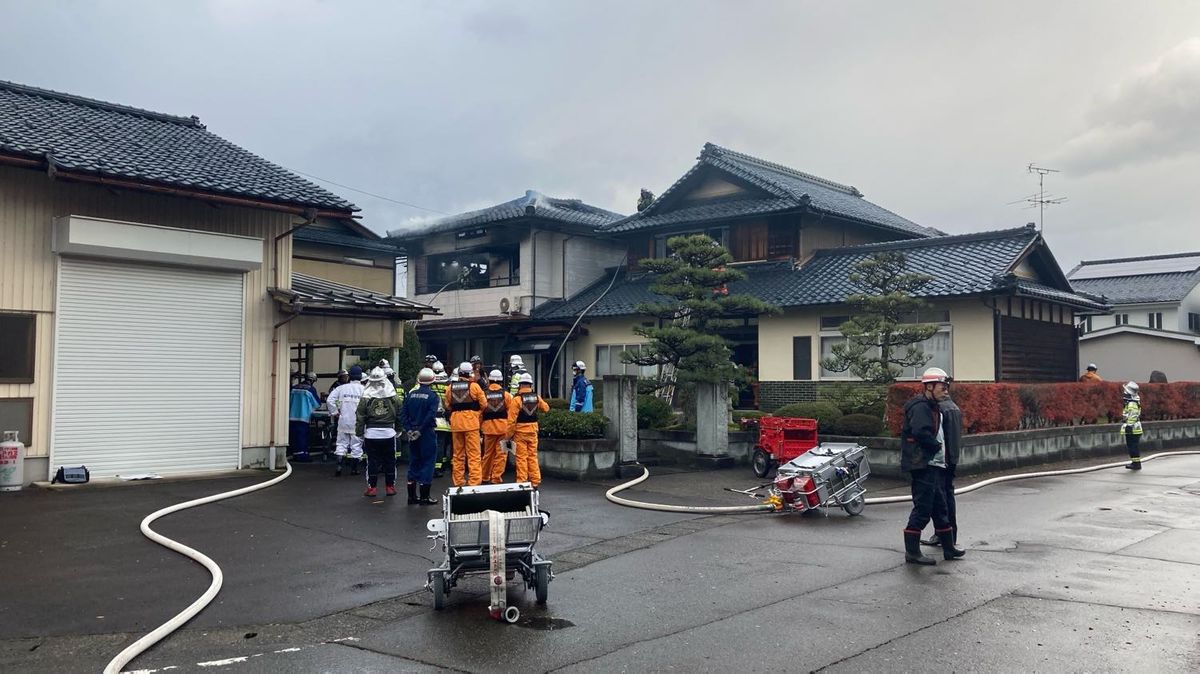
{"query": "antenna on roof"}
(1042, 198)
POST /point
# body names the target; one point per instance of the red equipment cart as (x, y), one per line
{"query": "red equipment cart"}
(781, 439)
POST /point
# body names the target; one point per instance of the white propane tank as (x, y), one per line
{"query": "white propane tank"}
(12, 462)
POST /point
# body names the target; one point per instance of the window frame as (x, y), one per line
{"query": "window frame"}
(640, 370)
(30, 347)
(832, 333)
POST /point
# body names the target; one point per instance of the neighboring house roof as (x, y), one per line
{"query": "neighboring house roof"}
(789, 189)
(969, 264)
(94, 138)
(533, 205)
(326, 237)
(1139, 280)
(1140, 330)
(323, 295)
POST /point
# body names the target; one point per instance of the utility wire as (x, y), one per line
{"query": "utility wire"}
(370, 194)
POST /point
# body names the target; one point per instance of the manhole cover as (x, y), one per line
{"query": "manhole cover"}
(544, 623)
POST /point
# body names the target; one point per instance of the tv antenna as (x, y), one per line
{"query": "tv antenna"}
(1042, 198)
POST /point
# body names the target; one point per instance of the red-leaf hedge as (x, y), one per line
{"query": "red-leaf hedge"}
(989, 408)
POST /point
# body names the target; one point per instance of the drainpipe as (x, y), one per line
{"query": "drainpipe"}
(310, 216)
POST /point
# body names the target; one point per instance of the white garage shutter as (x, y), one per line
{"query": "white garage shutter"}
(147, 369)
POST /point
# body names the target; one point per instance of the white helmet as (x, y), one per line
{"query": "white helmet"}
(377, 374)
(1092, 367)
(1131, 389)
(311, 376)
(935, 375)
(525, 379)
(438, 367)
(464, 368)
(425, 376)
(579, 365)
(385, 364)
(514, 360)
(495, 375)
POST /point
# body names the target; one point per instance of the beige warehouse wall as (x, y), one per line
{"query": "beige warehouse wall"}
(371, 278)
(1131, 357)
(29, 201)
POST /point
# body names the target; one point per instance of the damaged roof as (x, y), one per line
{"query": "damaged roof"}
(533, 205)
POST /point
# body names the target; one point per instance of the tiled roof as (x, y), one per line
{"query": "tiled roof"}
(319, 293)
(1143, 289)
(324, 236)
(789, 189)
(533, 204)
(1078, 298)
(961, 265)
(86, 136)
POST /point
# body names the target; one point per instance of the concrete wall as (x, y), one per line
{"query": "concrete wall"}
(1129, 356)
(29, 202)
(379, 279)
(972, 345)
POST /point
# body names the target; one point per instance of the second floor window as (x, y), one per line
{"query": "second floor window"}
(468, 271)
(1122, 319)
(1194, 323)
(1155, 320)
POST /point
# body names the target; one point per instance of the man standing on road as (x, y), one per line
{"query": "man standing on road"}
(923, 455)
(464, 402)
(1131, 415)
(376, 421)
(581, 389)
(418, 417)
(523, 411)
(343, 405)
(952, 429)
(494, 421)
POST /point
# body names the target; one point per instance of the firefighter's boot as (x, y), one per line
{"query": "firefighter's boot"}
(425, 500)
(337, 469)
(949, 549)
(912, 549)
(412, 493)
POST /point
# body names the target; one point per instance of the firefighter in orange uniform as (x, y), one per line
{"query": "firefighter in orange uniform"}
(464, 403)
(523, 412)
(495, 428)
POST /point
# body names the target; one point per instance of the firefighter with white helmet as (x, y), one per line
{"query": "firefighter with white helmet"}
(523, 411)
(464, 403)
(923, 455)
(418, 419)
(343, 405)
(440, 382)
(516, 367)
(581, 389)
(1131, 427)
(494, 423)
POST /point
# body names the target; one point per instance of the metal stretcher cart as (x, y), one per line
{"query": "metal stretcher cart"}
(490, 529)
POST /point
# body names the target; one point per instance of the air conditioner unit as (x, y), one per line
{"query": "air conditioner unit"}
(511, 305)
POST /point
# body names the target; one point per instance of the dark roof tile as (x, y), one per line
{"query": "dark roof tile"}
(533, 204)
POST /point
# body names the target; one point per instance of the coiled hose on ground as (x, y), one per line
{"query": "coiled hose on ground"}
(611, 494)
(141, 645)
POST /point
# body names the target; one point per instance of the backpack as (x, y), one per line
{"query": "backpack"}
(71, 475)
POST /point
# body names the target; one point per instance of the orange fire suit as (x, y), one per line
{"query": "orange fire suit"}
(523, 412)
(464, 402)
(494, 421)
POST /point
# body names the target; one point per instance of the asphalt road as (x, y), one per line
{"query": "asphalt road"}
(1099, 572)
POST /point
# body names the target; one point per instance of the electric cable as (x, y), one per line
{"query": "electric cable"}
(218, 578)
(611, 494)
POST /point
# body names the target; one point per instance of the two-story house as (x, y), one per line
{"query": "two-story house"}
(488, 270)
(1155, 319)
(146, 295)
(1005, 308)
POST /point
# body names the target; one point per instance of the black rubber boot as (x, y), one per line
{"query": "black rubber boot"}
(412, 493)
(337, 469)
(1133, 465)
(949, 549)
(355, 466)
(912, 549)
(425, 500)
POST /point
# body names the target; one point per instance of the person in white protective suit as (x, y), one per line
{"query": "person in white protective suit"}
(343, 405)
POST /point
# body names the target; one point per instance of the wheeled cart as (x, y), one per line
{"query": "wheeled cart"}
(490, 529)
(828, 475)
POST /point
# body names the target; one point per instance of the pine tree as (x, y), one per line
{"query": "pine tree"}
(882, 337)
(696, 276)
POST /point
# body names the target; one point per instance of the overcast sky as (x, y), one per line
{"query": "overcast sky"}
(932, 109)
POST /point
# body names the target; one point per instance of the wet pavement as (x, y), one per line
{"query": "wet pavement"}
(1097, 572)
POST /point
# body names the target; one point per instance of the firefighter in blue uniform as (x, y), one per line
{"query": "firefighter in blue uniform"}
(418, 418)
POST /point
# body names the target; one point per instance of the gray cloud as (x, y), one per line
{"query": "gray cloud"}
(1153, 114)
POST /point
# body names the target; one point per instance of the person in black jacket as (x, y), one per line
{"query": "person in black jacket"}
(952, 429)
(923, 455)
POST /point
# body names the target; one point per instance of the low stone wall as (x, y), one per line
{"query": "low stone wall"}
(680, 446)
(577, 459)
(985, 452)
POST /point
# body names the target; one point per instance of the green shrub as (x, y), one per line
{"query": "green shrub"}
(856, 398)
(564, 424)
(862, 425)
(738, 415)
(825, 413)
(653, 412)
(558, 403)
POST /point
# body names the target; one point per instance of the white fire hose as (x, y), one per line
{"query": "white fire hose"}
(611, 494)
(159, 633)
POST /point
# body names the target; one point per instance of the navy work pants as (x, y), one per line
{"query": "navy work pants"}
(421, 454)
